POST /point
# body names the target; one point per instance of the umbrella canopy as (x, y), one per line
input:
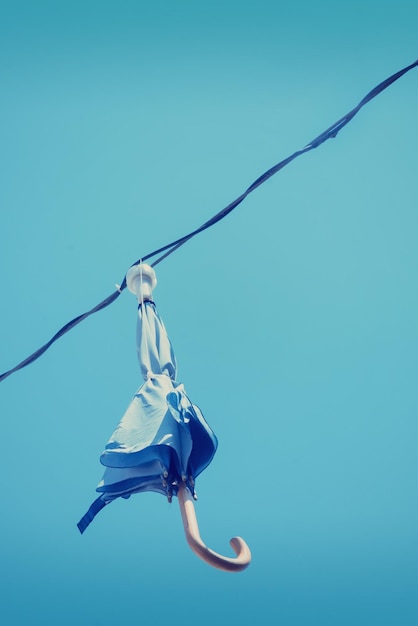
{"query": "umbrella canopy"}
(163, 439)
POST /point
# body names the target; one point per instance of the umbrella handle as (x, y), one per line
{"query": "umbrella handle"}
(194, 540)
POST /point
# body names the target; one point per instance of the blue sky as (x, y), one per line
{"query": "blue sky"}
(124, 125)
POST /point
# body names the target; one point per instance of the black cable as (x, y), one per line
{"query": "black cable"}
(168, 249)
(60, 333)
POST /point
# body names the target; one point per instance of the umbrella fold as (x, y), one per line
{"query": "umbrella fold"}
(163, 438)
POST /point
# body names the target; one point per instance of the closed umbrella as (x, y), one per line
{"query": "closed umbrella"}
(163, 442)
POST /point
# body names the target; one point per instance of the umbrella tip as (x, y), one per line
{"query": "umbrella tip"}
(141, 280)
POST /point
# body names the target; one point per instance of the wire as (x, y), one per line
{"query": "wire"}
(168, 249)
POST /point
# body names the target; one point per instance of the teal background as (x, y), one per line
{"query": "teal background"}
(123, 126)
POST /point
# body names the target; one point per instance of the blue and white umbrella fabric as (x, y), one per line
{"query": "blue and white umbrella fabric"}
(162, 443)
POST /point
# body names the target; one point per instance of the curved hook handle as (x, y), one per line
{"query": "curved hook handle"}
(194, 540)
